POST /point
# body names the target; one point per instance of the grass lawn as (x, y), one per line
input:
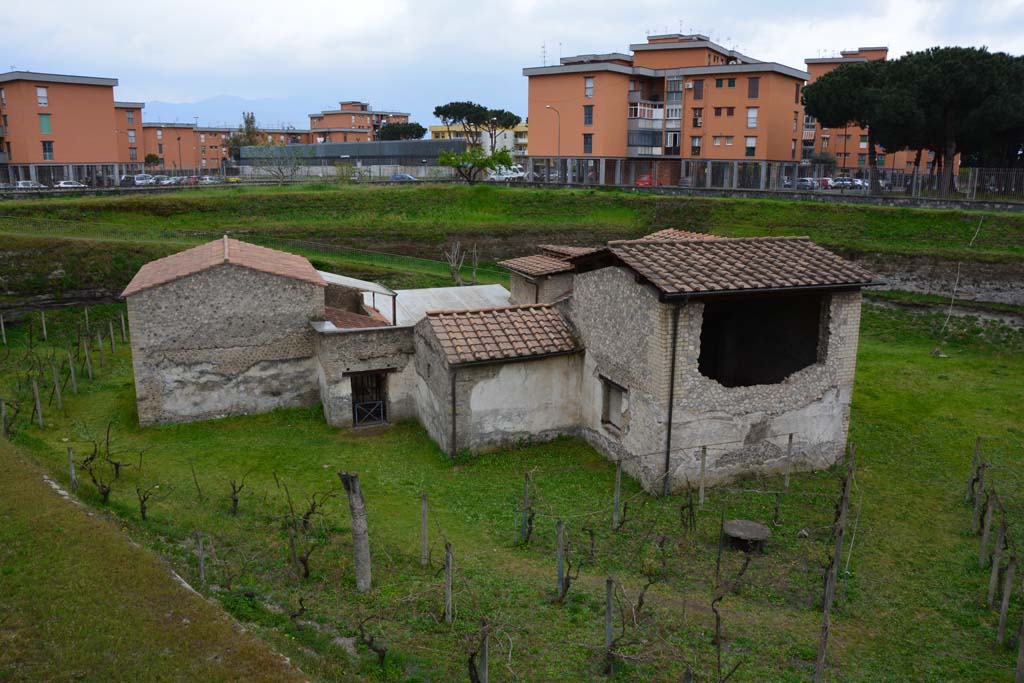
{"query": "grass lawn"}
(77, 602)
(911, 606)
(427, 216)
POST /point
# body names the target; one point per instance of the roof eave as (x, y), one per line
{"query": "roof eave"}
(516, 359)
(676, 296)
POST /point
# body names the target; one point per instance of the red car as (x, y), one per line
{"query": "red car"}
(190, 180)
(646, 181)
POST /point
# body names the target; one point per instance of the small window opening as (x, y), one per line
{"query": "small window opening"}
(614, 402)
(762, 340)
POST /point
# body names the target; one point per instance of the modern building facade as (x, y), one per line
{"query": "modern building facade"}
(680, 109)
(57, 127)
(352, 121)
(515, 140)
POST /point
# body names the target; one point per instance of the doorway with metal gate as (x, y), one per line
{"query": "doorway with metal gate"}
(369, 399)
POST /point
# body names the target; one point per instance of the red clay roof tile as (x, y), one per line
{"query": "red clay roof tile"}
(497, 334)
(224, 250)
(536, 265)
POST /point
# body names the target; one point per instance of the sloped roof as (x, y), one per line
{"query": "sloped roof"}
(673, 234)
(218, 252)
(704, 266)
(411, 305)
(497, 334)
(561, 250)
(536, 265)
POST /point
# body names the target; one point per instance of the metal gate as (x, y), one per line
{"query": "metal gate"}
(369, 399)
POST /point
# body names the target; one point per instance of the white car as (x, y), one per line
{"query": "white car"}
(29, 185)
(144, 179)
(70, 184)
(208, 180)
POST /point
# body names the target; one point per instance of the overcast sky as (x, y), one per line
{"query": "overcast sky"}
(291, 58)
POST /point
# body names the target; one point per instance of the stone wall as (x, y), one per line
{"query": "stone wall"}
(530, 400)
(344, 298)
(627, 333)
(542, 290)
(346, 351)
(433, 386)
(225, 341)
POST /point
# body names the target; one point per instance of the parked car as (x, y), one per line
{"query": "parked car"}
(29, 185)
(402, 178)
(806, 184)
(144, 179)
(190, 180)
(6, 186)
(844, 183)
(646, 180)
(69, 185)
(127, 181)
(826, 183)
(209, 180)
(787, 183)
(161, 180)
(233, 179)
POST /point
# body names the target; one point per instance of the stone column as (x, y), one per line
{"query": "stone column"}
(600, 173)
(764, 173)
(707, 173)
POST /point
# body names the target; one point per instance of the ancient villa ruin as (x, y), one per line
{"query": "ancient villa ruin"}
(677, 354)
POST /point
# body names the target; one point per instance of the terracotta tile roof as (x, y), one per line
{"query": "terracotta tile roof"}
(722, 265)
(562, 251)
(224, 250)
(345, 320)
(496, 334)
(536, 265)
(673, 234)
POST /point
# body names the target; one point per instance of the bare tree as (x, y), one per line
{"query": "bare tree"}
(144, 496)
(456, 257)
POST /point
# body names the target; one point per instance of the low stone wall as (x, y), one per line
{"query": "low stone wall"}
(1001, 281)
(388, 349)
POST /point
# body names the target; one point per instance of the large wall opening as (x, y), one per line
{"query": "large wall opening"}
(762, 339)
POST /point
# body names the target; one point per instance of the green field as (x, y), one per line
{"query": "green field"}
(418, 219)
(911, 605)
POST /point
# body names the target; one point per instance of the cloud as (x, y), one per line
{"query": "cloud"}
(411, 55)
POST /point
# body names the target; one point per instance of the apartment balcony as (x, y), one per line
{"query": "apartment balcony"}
(644, 124)
(643, 151)
(673, 124)
(635, 96)
(671, 151)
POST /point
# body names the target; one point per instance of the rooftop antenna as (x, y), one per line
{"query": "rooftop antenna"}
(543, 54)
(559, 50)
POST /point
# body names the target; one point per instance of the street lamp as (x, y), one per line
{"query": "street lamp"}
(558, 118)
(180, 160)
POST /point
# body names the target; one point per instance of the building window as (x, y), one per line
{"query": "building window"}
(695, 146)
(203, 150)
(133, 154)
(751, 143)
(588, 143)
(614, 404)
(751, 117)
(880, 160)
(718, 111)
(3, 97)
(588, 86)
(728, 141)
(792, 150)
(47, 150)
(160, 148)
(131, 136)
(862, 159)
(863, 141)
(42, 98)
(698, 89)
(588, 114)
(753, 87)
(4, 128)
(204, 163)
(732, 83)
(159, 134)
(698, 117)
(44, 124)
(824, 142)
(131, 118)
(202, 137)
(796, 93)
(796, 120)
(717, 141)
(672, 143)
(719, 82)
(730, 111)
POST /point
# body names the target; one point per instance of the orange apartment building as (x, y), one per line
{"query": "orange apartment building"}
(55, 127)
(352, 122)
(679, 110)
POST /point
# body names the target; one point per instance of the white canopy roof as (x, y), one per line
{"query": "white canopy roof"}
(413, 304)
(355, 283)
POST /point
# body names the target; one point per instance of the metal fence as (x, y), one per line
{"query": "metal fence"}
(982, 184)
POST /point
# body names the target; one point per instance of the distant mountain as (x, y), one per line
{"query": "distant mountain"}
(226, 110)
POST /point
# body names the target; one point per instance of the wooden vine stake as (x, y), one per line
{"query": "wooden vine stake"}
(832, 574)
(424, 547)
(360, 531)
(39, 407)
(448, 614)
(71, 369)
(986, 529)
(56, 387)
(997, 562)
(1004, 607)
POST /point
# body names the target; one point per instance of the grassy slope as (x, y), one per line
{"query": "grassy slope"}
(910, 607)
(78, 602)
(429, 215)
